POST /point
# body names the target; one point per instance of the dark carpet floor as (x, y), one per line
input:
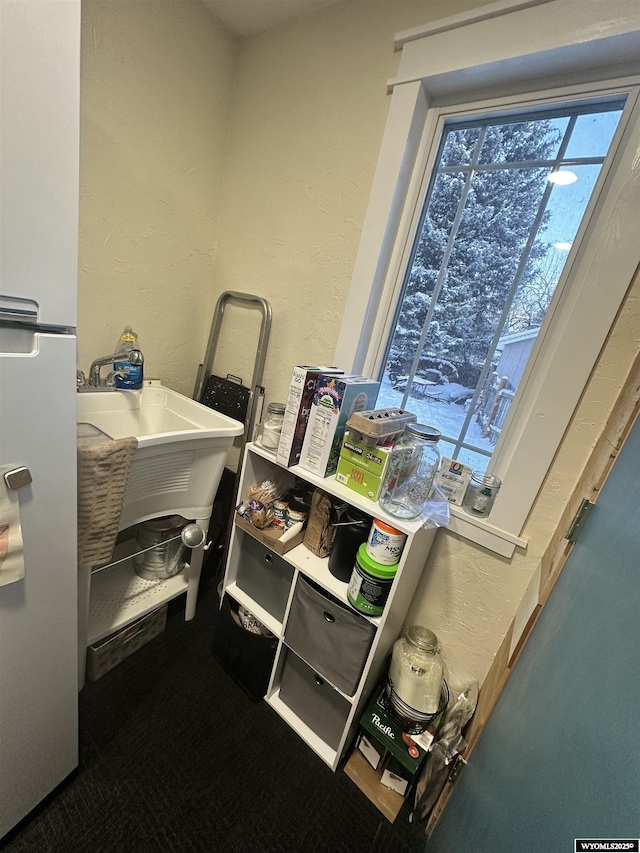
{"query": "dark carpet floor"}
(175, 757)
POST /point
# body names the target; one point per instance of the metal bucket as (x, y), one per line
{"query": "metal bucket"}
(162, 536)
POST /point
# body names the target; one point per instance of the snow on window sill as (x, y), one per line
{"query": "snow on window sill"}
(482, 532)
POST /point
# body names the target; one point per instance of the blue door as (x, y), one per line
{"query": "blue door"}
(560, 756)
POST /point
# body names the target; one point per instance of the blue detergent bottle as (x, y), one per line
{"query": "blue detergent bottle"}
(128, 376)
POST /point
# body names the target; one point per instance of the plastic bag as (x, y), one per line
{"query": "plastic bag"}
(257, 508)
(436, 510)
(450, 743)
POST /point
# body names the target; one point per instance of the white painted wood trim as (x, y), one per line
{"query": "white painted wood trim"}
(401, 139)
(544, 40)
(399, 257)
(491, 10)
(526, 608)
(484, 532)
(570, 341)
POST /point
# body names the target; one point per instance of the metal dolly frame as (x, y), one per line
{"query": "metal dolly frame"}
(205, 377)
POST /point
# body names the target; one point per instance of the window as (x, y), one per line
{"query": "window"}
(513, 60)
(503, 206)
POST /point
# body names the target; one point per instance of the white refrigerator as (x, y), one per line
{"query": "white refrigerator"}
(39, 165)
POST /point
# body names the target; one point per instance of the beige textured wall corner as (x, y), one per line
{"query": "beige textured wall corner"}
(156, 83)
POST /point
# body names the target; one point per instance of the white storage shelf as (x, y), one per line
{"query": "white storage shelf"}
(239, 595)
(326, 753)
(119, 595)
(113, 596)
(259, 464)
(333, 487)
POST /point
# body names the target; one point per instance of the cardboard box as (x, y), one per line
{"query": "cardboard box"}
(372, 459)
(452, 480)
(269, 536)
(381, 764)
(335, 399)
(399, 752)
(358, 479)
(298, 405)
(367, 779)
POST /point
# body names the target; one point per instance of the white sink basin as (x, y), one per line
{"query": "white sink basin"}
(154, 415)
(182, 448)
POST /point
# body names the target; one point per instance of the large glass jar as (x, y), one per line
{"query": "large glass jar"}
(416, 674)
(411, 470)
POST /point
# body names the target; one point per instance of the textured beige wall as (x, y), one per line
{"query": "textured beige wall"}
(156, 84)
(308, 114)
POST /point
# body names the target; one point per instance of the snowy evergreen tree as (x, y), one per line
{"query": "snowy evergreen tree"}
(499, 211)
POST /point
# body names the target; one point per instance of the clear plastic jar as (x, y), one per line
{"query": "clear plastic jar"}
(480, 495)
(411, 470)
(270, 429)
(416, 675)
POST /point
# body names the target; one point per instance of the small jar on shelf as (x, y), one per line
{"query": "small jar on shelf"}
(268, 432)
(481, 494)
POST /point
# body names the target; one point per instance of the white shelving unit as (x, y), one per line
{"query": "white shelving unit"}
(267, 585)
(119, 596)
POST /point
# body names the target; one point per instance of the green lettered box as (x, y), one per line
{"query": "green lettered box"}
(382, 743)
(358, 479)
(372, 459)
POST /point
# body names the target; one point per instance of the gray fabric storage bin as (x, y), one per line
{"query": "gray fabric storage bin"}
(265, 576)
(313, 700)
(330, 637)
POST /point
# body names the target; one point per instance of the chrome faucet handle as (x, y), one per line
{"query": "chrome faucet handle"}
(96, 364)
(110, 381)
(81, 379)
(134, 357)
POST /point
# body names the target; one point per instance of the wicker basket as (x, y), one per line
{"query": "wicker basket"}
(105, 654)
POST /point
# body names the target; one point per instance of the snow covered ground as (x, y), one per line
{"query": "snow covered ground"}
(436, 410)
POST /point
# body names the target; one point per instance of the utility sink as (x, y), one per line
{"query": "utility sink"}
(182, 448)
(154, 415)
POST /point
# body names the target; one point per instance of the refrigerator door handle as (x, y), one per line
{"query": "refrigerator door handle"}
(18, 478)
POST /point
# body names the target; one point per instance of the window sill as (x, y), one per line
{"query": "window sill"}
(482, 532)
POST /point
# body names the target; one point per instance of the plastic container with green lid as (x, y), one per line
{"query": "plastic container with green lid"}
(370, 583)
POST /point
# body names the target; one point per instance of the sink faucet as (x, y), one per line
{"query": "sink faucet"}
(134, 357)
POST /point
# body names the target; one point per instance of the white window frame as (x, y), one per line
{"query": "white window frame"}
(510, 52)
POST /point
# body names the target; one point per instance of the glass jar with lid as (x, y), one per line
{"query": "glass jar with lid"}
(411, 470)
(416, 678)
(271, 427)
(481, 494)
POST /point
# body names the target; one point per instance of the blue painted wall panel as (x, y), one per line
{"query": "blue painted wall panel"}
(560, 755)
